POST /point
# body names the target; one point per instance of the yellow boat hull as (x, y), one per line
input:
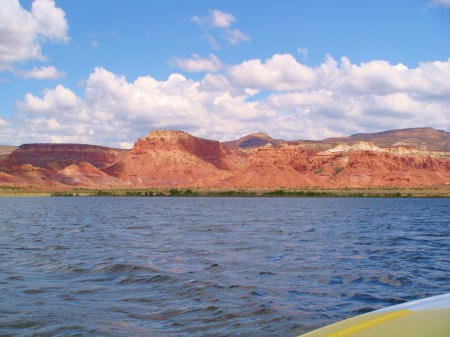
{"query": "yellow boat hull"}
(429, 317)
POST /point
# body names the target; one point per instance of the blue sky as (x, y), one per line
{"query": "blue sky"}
(108, 72)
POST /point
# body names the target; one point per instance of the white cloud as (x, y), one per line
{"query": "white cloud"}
(94, 42)
(281, 72)
(43, 73)
(279, 96)
(212, 41)
(235, 36)
(54, 102)
(3, 122)
(198, 64)
(50, 20)
(22, 32)
(215, 19)
(303, 52)
(285, 73)
(221, 21)
(115, 111)
(445, 3)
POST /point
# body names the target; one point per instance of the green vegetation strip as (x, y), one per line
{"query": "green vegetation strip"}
(199, 192)
(174, 192)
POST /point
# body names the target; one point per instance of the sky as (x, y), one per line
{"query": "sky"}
(109, 72)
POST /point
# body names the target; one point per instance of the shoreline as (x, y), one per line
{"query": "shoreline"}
(390, 192)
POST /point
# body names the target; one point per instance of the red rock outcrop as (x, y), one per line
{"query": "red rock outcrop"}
(372, 168)
(172, 158)
(58, 156)
(178, 159)
(85, 175)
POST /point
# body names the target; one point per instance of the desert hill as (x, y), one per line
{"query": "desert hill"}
(398, 158)
(171, 158)
(253, 140)
(426, 139)
(58, 156)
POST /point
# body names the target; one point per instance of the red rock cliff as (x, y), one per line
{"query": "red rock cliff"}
(58, 156)
(178, 159)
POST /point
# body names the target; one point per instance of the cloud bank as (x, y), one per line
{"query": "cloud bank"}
(279, 95)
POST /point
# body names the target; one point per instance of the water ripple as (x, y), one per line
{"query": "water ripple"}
(213, 266)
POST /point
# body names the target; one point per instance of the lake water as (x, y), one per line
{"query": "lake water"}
(213, 266)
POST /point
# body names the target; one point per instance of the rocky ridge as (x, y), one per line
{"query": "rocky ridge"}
(253, 140)
(170, 159)
(425, 139)
(57, 156)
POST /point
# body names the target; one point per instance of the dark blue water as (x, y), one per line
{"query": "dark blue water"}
(213, 266)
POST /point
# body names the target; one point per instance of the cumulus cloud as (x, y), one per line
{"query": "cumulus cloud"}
(22, 32)
(285, 73)
(55, 101)
(280, 96)
(198, 64)
(50, 21)
(42, 73)
(115, 111)
(221, 21)
(281, 72)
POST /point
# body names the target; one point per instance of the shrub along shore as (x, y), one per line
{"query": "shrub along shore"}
(201, 192)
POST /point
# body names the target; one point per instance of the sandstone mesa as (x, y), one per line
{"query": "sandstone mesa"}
(407, 158)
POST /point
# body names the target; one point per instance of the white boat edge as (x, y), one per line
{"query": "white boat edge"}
(427, 303)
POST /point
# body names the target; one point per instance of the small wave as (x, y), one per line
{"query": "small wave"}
(34, 291)
(388, 279)
(150, 279)
(258, 293)
(365, 298)
(67, 297)
(135, 227)
(140, 299)
(363, 310)
(59, 330)
(213, 266)
(122, 268)
(158, 316)
(90, 290)
(70, 269)
(20, 324)
(15, 278)
(60, 247)
(264, 311)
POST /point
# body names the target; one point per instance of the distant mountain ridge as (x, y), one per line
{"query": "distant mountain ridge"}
(164, 158)
(253, 140)
(427, 139)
